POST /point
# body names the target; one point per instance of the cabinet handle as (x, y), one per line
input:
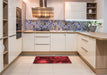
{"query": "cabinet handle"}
(85, 40)
(42, 36)
(12, 35)
(42, 44)
(84, 49)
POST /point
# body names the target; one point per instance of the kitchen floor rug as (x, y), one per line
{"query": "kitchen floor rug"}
(51, 59)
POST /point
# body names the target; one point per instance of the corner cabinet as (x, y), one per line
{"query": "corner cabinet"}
(75, 10)
(58, 41)
(87, 49)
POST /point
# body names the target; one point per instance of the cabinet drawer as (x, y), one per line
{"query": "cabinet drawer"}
(42, 40)
(42, 47)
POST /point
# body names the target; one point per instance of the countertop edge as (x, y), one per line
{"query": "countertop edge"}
(82, 33)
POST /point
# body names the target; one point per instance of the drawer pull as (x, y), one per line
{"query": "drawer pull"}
(84, 49)
(84, 40)
(42, 44)
(42, 36)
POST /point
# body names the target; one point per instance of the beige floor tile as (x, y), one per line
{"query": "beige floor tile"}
(24, 66)
(41, 73)
(41, 68)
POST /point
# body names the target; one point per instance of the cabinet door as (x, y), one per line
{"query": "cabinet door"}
(1, 10)
(1, 55)
(58, 42)
(28, 42)
(19, 45)
(12, 17)
(12, 48)
(75, 10)
(71, 42)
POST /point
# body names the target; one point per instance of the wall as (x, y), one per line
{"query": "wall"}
(100, 13)
(105, 16)
(19, 3)
(57, 4)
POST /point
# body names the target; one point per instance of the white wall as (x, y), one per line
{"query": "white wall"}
(100, 13)
(57, 4)
(105, 16)
(29, 5)
(19, 3)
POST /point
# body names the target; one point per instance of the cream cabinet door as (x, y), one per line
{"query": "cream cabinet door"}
(19, 45)
(28, 42)
(1, 16)
(12, 17)
(12, 48)
(75, 10)
(71, 42)
(58, 42)
(1, 55)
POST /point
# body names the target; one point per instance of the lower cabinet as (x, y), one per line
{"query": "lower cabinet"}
(87, 49)
(58, 41)
(49, 42)
(71, 42)
(12, 48)
(19, 45)
(1, 55)
(42, 42)
(28, 42)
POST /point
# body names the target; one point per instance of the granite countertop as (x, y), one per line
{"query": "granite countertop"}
(96, 35)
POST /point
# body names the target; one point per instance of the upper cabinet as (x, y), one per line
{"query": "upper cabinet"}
(75, 10)
(12, 17)
(91, 10)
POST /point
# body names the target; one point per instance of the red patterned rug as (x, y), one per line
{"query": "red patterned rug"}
(51, 59)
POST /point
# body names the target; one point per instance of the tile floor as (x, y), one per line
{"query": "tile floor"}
(24, 66)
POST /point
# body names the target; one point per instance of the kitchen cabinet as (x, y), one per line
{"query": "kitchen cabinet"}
(75, 10)
(1, 24)
(12, 48)
(12, 17)
(42, 42)
(1, 55)
(19, 45)
(71, 42)
(87, 48)
(28, 42)
(58, 41)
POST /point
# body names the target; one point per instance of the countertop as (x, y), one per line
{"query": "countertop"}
(96, 35)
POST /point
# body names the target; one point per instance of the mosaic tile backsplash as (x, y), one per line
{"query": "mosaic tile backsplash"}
(48, 25)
